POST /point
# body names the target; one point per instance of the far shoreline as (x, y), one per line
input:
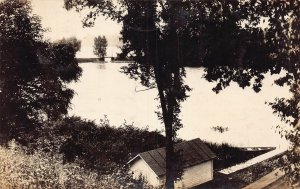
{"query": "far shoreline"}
(96, 60)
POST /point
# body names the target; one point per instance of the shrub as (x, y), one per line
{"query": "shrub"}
(41, 170)
(100, 147)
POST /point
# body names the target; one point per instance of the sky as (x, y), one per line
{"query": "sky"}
(62, 23)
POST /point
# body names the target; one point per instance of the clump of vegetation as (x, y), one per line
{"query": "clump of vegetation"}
(220, 129)
(76, 153)
(100, 147)
(42, 170)
(34, 71)
(100, 45)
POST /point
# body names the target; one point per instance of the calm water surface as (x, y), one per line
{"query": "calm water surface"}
(103, 90)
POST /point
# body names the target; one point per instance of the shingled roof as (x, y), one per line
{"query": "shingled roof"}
(193, 153)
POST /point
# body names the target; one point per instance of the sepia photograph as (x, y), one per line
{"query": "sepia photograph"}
(149, 94)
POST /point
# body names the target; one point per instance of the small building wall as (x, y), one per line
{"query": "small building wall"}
(192, 176)
(140, 167)
(196, 175)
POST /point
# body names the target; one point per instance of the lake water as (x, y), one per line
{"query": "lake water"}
(103, 90)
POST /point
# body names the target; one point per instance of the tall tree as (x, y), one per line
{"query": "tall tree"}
(157, 63)
(100, 45)
(33, 71)
(225, 37)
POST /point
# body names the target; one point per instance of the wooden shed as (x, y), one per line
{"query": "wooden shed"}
(197, 164)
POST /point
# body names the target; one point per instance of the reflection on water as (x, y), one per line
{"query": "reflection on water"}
(101, 66)
(103, 90)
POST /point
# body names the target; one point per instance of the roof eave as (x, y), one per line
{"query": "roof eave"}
(135, 157)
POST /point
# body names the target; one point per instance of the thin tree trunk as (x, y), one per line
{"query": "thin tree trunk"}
(167, 114)
(170, 174)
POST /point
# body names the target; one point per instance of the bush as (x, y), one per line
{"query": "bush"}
(41, 170)
(100, 147)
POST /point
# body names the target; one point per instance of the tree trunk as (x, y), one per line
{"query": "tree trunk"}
(170, 172)
(167, 114)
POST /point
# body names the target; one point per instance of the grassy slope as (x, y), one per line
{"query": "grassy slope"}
(20, 170)
(38, 170)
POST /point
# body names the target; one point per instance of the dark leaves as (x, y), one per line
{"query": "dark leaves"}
(33, 72)
(100, 45)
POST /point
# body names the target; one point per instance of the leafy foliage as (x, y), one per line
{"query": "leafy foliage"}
(100, 147)
(288, 111)
(220, 129)
(44, 170)
(73, 41)
(100, 44)
(33, 72)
